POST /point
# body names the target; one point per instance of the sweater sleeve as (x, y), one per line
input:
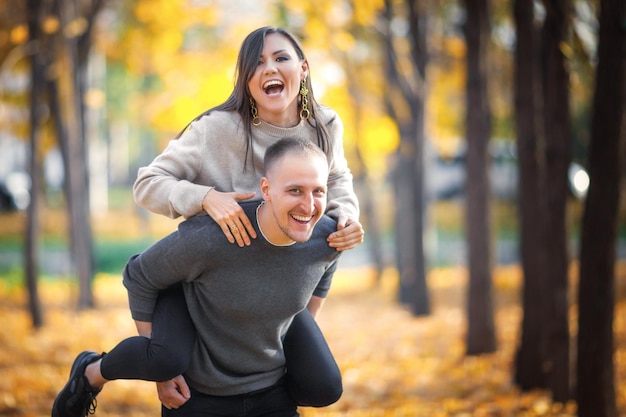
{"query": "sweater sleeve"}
(324, 285)
(166, 186)
(179, 257)
(342, 199)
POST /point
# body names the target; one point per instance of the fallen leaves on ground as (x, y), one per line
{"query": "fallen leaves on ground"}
(393, 364)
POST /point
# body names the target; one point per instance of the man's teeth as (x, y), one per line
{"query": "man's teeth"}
(302, 218)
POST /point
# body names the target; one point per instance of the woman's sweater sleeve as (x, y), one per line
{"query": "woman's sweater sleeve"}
(342, 199)
(167, 186)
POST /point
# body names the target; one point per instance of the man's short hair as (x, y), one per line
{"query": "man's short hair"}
(297, 146)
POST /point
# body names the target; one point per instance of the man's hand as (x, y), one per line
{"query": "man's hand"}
(173, 393)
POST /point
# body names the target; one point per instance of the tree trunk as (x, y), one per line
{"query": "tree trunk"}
(32, 225)
(530, 357)
(71, 135)
(481, 331)
(409, 169)
(595, 392)
(406, 222)
(80, 49)
(369, 214)
(362, 183)
(79, 184)
(417, 28)
(557, 130)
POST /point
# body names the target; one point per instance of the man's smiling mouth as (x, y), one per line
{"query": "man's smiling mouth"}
(301, 219)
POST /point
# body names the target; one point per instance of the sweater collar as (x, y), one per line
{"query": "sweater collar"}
(282, 132)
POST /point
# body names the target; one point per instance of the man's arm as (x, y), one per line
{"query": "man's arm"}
(172, 393)
(144, 328)
(171, 260)
(315, 305)
(179, 257)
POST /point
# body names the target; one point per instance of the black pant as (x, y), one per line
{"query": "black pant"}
(274, 401)
(313, 377)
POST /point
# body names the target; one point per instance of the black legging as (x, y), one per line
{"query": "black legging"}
(313, 377)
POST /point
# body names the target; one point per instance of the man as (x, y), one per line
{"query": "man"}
(242, 300)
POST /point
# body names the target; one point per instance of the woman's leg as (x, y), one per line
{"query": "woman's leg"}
(163, 356)
(313, 377)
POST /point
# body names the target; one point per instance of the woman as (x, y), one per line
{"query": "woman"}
(218, 160)
(215, 162)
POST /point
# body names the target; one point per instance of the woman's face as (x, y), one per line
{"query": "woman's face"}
(275, 84)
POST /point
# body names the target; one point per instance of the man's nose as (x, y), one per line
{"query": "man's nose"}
(309, 202)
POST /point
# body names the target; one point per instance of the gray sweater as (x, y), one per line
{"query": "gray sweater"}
(212, 153)
(241, 300)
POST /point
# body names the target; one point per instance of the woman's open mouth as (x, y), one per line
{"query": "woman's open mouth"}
(273, 87)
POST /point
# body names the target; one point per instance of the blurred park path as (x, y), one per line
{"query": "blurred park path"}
(393, 364)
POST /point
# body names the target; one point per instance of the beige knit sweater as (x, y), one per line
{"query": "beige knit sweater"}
(211, 154)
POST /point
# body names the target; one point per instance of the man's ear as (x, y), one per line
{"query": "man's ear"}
(265, 188)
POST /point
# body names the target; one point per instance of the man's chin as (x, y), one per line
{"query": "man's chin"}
(302, 236)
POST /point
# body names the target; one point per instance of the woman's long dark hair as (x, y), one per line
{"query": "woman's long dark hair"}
(239, 99)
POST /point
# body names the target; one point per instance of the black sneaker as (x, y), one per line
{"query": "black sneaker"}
(78, 398)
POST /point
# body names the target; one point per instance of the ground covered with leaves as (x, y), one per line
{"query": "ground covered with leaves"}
(393, 364)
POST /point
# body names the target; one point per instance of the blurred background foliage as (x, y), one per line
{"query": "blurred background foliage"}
(156, 64)
(159, 63)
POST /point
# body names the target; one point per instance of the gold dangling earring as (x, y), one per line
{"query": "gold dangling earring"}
(255, 114)
(305, 113)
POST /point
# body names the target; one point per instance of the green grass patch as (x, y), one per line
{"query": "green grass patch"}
(112, 255)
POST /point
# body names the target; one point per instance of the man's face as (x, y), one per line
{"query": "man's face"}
(295, 191)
